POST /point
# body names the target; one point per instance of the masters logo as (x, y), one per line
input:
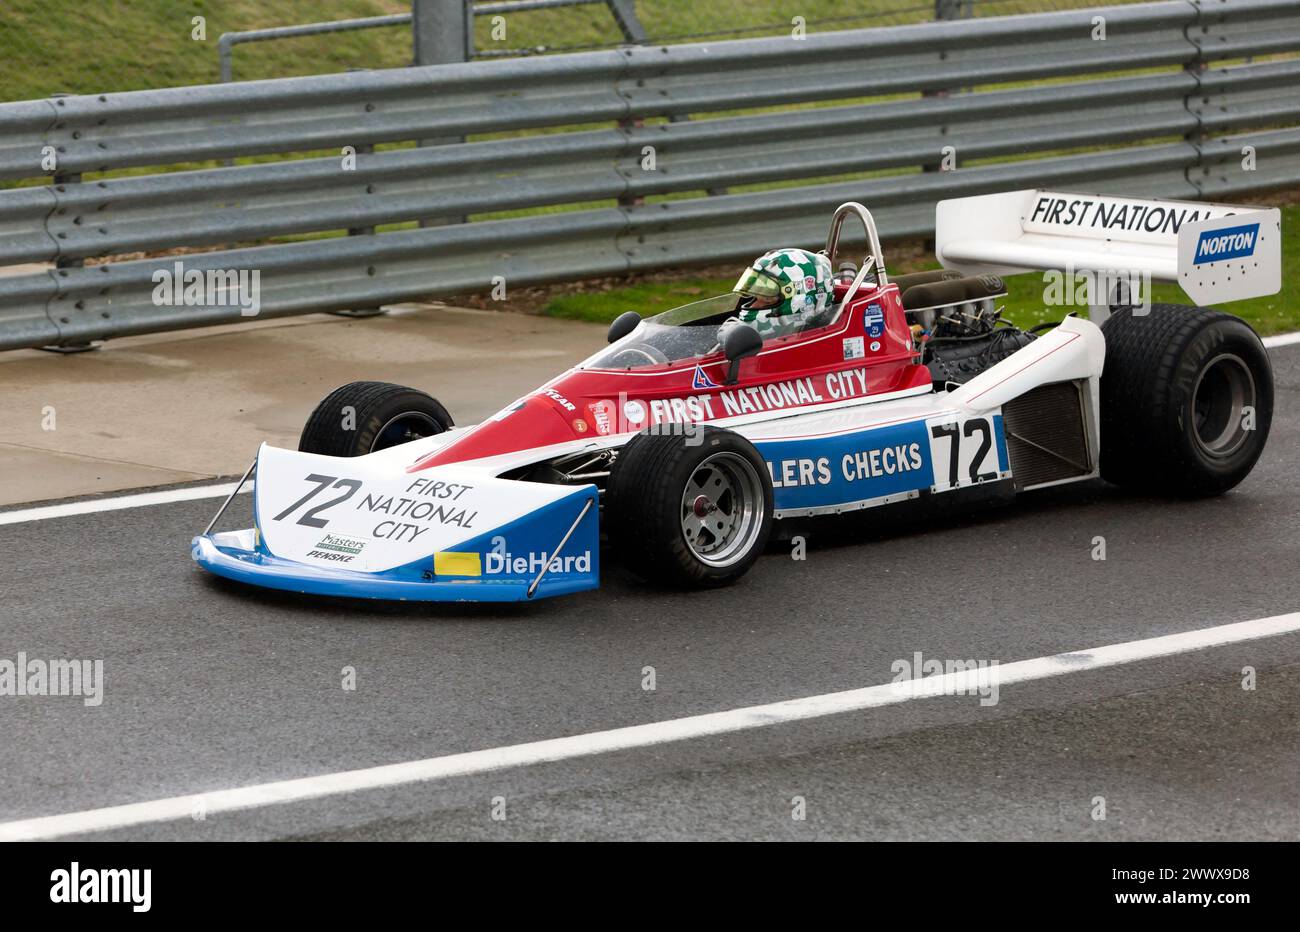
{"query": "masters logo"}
(337, 549)
(341, 544)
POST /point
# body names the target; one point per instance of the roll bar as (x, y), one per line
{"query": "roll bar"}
(873, 238)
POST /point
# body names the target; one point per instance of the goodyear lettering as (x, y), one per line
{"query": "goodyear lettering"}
(559, 399)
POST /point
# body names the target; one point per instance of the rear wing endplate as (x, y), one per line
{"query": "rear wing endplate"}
(1215, 252)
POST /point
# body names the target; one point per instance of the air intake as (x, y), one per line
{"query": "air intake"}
(1046, 441)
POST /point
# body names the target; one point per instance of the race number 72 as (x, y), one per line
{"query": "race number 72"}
(310, 518)
(963, 452)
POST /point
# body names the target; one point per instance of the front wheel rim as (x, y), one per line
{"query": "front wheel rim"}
(722, 509)
(411, 425)
(1225, 388)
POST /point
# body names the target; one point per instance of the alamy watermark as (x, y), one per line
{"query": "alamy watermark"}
(182, 287)
(931, 677)
(1069, 287)
(24, 677)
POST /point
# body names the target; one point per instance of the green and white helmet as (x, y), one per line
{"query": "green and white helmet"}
(801, 280)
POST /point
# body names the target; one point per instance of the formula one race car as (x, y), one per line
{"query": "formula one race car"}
(692, 432)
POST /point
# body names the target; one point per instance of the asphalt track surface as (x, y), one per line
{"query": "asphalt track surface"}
(211, 686)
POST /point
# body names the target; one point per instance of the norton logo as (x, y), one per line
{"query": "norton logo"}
(341, 544)
(700, 380)
(1231, 243)
(86, 885)
(534, 563)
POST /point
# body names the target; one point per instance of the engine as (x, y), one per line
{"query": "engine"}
(957, 323)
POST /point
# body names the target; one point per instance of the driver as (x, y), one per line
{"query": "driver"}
(782, 291)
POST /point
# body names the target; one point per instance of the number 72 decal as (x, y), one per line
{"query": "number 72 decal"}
(310, 517)
(966, 451)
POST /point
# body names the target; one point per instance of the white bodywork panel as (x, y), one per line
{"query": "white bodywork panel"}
(368, 514)
(1233, 258)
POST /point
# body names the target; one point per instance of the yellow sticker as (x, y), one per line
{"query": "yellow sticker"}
(457, 564)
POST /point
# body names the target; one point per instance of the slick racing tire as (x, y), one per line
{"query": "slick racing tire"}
(363, 417)
(689, 509)
(1186, 400)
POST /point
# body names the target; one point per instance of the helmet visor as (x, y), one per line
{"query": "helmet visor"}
(756, 284)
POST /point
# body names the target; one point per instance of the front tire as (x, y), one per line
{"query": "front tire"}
(689, 509)
(1186, 400)
(363, 417)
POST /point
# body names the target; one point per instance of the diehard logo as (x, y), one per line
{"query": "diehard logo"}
(1230, 243)
(496, 564)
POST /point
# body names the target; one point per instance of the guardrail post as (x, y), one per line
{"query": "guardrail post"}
(59, 180)
(953, 9)
(1197, 137)
(442, 33)
(943, 10)
(624, 13)
(376, 309)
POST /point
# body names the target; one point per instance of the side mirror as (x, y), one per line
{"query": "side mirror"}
(738, 342)
(623, 324)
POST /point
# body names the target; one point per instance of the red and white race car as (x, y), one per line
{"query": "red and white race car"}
(686, 442)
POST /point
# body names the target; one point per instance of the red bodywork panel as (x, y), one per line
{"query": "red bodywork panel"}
(817, 367)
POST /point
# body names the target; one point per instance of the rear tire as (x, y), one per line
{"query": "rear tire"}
(689, 510)
(1176, 391)
(363, 417)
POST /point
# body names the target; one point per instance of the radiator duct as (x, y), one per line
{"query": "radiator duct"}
(1046, 440)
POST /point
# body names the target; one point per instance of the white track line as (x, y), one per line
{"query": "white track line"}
(1281, 339)
(139, 500)
(637, 736)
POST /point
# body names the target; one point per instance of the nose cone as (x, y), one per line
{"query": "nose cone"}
(534, 422)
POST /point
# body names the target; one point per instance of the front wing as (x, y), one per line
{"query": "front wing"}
(362, 528)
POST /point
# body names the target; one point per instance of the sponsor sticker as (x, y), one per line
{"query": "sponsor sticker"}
(873, 318)
(506, 564)
(449, 563)
(634, 411)
(1227, 243)
(1111, 215)
(602, 414)
(875, 346)
(849, 468)
(341, 544)
(701, 380)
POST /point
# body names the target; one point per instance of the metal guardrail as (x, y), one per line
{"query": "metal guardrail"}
(622, 11)
(1176, 133)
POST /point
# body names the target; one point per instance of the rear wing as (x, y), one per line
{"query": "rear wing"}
(1215, 252)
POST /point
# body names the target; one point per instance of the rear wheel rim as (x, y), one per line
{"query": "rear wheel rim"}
(1225, 388)
(722, 509)
(411, 425)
